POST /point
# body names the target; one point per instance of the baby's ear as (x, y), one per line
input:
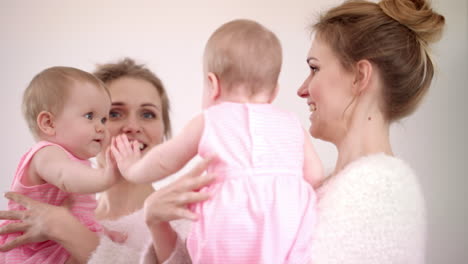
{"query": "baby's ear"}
(214, 86)
(45, 123)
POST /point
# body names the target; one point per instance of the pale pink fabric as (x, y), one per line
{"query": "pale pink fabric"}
(83, 208)
(262, 209)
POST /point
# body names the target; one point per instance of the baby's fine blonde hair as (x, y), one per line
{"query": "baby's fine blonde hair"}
(49, 90)
(243, 52)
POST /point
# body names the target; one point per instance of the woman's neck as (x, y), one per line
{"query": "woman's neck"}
(368, 134)
(122, 199)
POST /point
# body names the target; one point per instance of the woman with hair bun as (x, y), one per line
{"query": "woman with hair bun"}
(369, 66)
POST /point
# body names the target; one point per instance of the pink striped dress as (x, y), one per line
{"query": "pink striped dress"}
(262, 210)
(83, 208)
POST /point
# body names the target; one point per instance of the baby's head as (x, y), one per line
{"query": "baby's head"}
(69, 107)
(245, 59)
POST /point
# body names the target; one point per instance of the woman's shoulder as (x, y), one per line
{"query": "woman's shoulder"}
(378, 179)
(377, 172)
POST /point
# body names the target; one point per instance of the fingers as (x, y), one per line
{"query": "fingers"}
(200, 167)
(19, 198)
(136, 146)
(19, 241)
(201, 182)
(192, 197)
(110, 158)
(123, 144)
(115, 151)
(186, 213)
(12, 228)
(122, 148)
(11, 215)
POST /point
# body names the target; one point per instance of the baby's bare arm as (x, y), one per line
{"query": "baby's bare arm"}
(54, 166)
(165, 159)
(313, 168)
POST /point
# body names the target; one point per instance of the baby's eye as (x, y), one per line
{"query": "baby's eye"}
(104, 120)
(89, 115)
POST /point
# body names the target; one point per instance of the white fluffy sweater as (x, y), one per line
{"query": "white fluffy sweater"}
(371, 212)
(131, 250)
(138, 246)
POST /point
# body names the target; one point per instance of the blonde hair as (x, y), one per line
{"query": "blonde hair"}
(128, 68)
(394, 35)
(48, 91)
(243, 52)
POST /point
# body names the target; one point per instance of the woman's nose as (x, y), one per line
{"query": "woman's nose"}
(303, 91)
(131, 126)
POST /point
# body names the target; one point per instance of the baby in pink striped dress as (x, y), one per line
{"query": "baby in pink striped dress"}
(262, 208)
(66, 110)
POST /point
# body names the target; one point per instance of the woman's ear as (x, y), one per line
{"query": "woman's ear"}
(213, 86)
(45, 123)
(364, 71)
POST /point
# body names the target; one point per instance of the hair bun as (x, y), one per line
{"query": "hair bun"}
(417, 15)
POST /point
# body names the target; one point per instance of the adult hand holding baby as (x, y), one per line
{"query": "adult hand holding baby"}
(42, 221)
(170, 202)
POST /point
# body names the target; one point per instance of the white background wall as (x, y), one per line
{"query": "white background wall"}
(169, 37)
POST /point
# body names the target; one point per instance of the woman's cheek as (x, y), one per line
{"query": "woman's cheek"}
(113, 128)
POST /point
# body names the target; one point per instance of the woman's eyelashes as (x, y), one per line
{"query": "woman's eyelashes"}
(114, 114)
(314, 69)
(148, 115)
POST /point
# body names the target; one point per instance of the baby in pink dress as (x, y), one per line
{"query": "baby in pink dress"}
(262, 208)
(66, 110)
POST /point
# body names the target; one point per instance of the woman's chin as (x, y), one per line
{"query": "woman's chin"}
(312, 131)
(315, 132)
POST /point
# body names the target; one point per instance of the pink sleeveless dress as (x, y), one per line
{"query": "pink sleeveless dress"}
(262, 210)
(83, 208)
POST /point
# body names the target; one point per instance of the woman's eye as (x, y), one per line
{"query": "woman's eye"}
(314, 69)
(89, 116)
(149, 115)
(114, 115)
(104, 120)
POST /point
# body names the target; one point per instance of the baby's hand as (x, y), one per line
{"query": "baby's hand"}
(111, 171)
(125, 153)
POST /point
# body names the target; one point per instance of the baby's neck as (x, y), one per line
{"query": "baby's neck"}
(241, 97)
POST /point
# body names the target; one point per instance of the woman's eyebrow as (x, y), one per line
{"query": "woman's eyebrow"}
(118, 103)
(151, 105)
(311, 58)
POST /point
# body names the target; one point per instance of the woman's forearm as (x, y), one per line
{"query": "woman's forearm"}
(164, 240)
